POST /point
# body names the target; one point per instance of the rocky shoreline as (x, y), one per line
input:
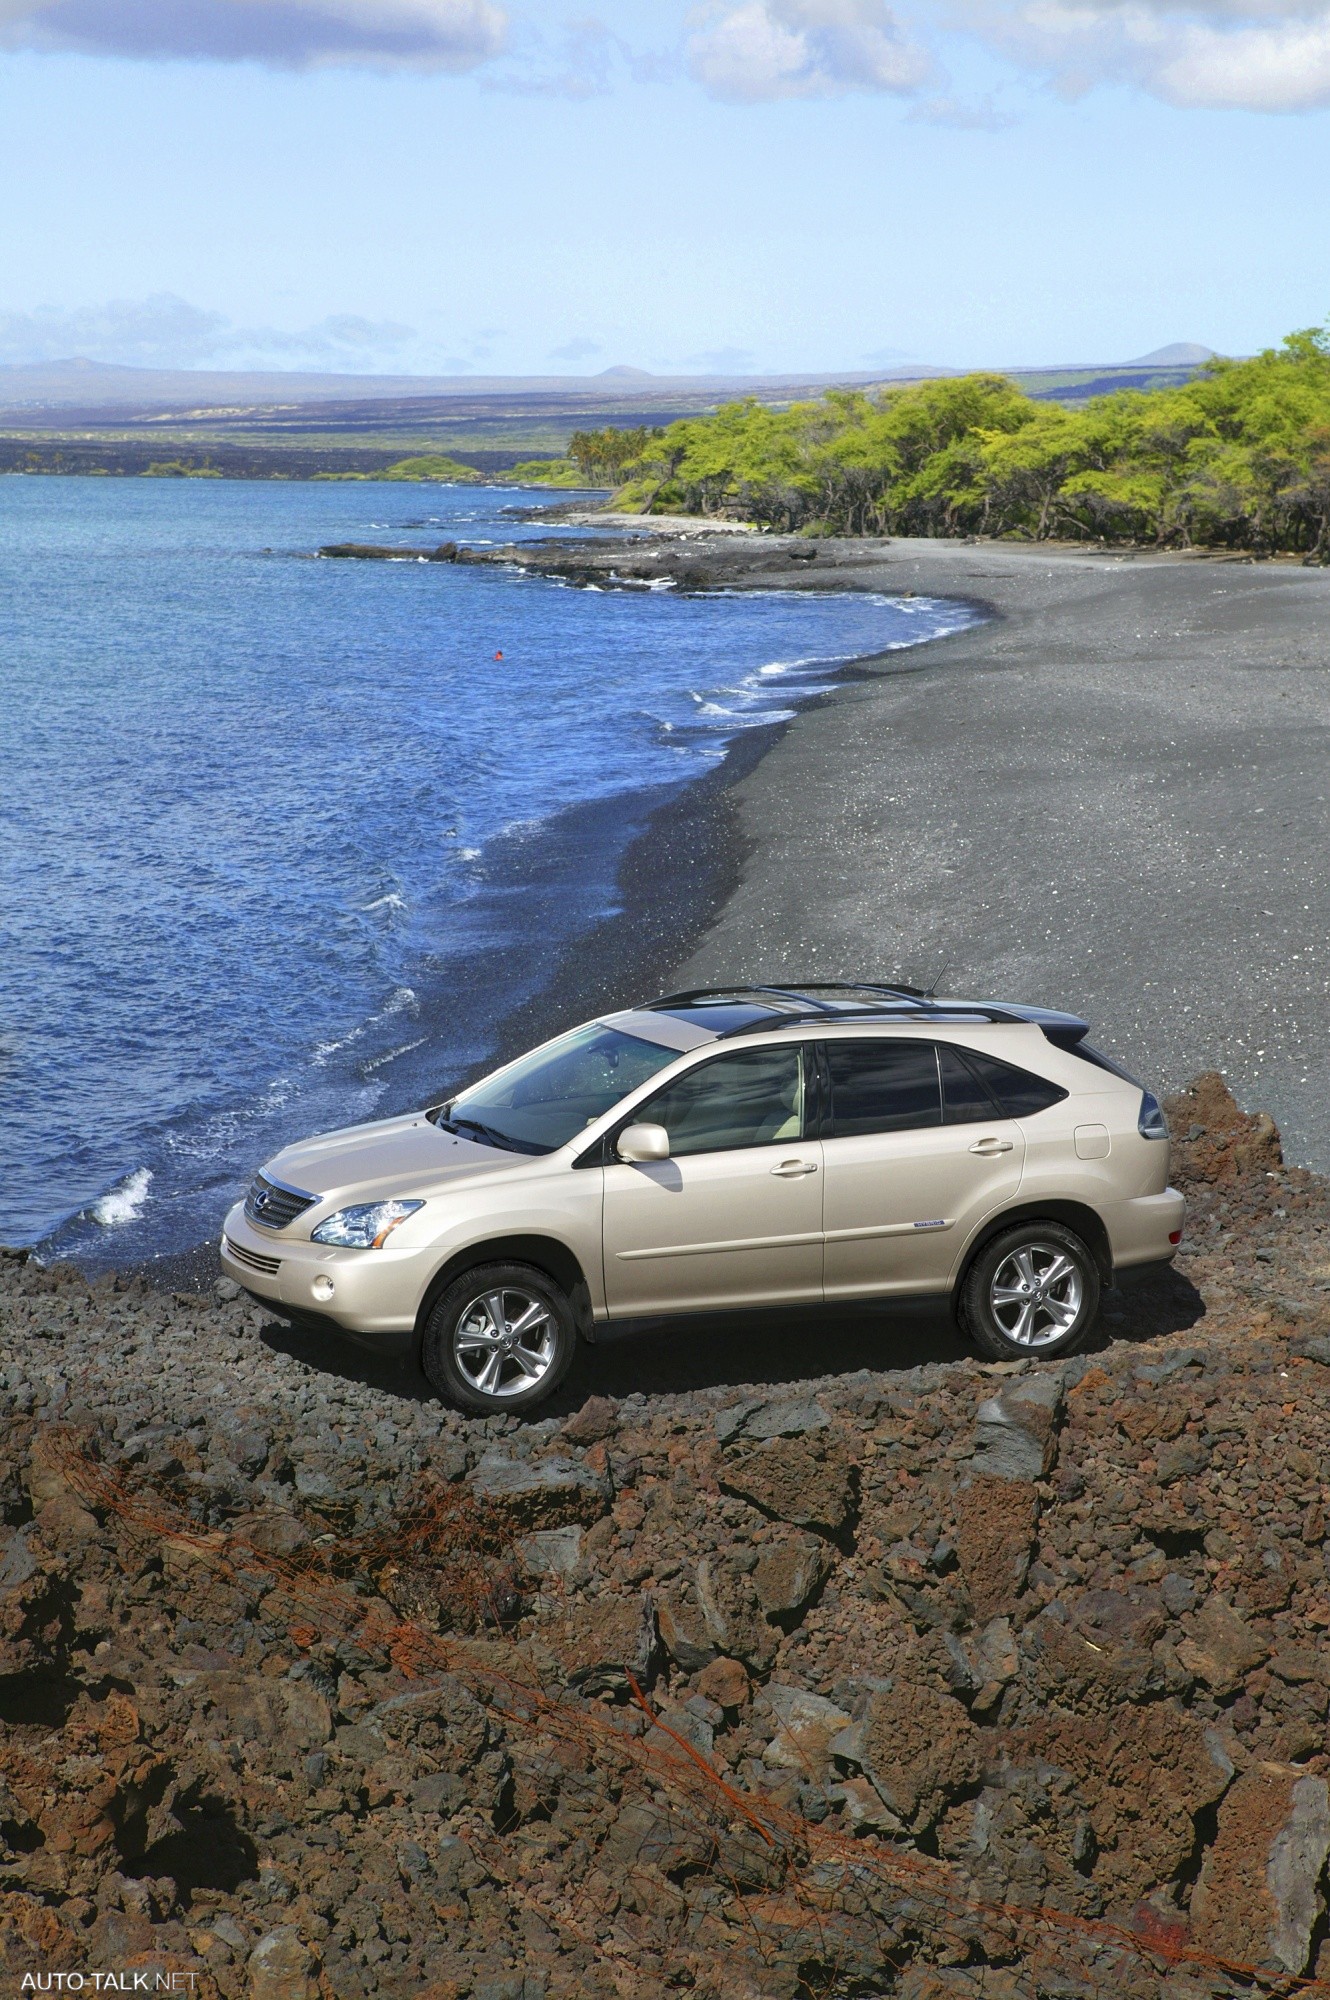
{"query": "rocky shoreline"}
(945, 1681)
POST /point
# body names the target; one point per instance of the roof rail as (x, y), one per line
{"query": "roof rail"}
(802, 992)
(796, 1004)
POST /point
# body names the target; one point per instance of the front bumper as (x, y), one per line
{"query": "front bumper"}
(362, 1291)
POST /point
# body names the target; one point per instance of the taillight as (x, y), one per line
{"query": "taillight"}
(1151, 1123)
(1175, 1236)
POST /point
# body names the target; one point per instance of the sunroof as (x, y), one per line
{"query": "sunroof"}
(723, 1017)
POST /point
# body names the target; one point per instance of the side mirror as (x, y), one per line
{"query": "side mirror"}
(641, 1143)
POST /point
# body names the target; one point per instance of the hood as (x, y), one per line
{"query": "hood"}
(392, 1156)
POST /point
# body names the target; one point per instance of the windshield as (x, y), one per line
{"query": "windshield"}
(545, 1099)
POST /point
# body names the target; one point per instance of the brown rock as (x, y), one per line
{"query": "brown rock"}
(805, 1725)
(995, 1535)
(601, 1642)
(283, 1967)
(276, 1533)
(1229, 1143)
(32, 1604)
(807, 1480)
(1259, 1898)
(1101, 1649)
(683, 1631)
(46, 1477)
(64, 1522)
(733, 1614)
(259, 1709)
(1141, 1775)
(921, 1751)
(1220, 1647)
(597, 1419)
(787, 1575)
(724, 1682)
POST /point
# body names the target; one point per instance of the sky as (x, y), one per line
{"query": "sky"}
(513, 186)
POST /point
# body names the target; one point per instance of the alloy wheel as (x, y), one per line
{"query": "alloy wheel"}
(505, 1342)
(1036, 1295)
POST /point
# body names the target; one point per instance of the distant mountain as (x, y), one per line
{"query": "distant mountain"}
(1180, 354)
(81, 385)
(77, 393)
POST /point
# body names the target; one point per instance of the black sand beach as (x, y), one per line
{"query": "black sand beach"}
(1111, 797)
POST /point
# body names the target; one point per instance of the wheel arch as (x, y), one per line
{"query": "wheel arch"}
(544, 1253)
(1074, 1215)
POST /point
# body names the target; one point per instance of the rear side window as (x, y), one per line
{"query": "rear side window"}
(966, 1099)
(882, 1087)
(1016, 1092)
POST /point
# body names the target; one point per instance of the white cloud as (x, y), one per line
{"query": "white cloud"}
(168, 332)
(290, 34)
(762, 49)
(1255, 55)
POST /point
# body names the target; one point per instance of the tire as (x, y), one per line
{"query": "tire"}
(468, 1351)
(1032, 1291)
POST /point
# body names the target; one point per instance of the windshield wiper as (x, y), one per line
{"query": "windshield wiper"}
(488, 1134)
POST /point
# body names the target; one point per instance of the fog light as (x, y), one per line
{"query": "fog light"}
(322, 1287)
(1174, 1236)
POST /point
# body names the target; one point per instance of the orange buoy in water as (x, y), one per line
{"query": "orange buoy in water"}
(498, 656)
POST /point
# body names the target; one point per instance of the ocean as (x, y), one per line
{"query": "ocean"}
(283, 838)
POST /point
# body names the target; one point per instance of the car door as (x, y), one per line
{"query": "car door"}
(915, 1152)
(734, 1216)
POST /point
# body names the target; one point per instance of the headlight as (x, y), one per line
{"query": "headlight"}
(365, 1227)
(1151, 1124)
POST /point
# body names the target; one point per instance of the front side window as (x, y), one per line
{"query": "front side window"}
(882, 1086)
(545, 1099)
(754, 1097)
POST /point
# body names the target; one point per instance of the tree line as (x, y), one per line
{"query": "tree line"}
(1238, 457)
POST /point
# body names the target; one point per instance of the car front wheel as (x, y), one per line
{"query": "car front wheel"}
(1034, 1290)
(501, 1337)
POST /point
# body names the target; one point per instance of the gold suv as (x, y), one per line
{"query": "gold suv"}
(756, 1146)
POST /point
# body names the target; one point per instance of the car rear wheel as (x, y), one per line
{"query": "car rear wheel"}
(1034, 1290)
(501, 1337)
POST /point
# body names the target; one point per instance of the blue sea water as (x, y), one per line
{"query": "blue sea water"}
(267, 819)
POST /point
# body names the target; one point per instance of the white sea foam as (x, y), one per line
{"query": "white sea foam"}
(392, 901)
(372, 1063)
(124, 1202)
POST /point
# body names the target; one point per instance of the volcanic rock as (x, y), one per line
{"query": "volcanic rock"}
(1259, 1896)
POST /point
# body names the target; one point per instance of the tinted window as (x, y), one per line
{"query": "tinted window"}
(882, 1086)
(1019, 1094)
(752, 1098)
(965, 1100)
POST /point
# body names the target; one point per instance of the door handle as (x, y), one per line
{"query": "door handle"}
(791, 1170)
(988, 1147)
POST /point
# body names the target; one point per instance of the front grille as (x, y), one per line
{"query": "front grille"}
(273, 1206)
(270, 1266)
